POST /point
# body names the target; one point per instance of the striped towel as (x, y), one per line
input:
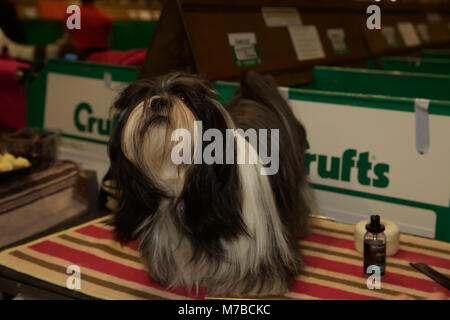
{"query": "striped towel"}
(41, 200)
(333, 267)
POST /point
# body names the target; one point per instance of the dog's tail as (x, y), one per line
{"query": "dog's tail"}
(264, 90)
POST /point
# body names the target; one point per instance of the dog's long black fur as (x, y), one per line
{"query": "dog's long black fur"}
(208, 213)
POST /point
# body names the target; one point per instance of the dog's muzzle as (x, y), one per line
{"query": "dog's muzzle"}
(159, 105)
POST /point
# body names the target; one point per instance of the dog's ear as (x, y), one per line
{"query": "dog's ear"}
(139, 198)
(211, 201)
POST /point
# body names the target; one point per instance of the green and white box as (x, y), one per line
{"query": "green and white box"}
(362, 158)
(76, 98)
(362, 155)
(245, 49)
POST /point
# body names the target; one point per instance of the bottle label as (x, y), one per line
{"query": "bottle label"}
(375, 254)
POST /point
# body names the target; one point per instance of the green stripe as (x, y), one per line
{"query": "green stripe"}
(442, 231)
(92, 70)
(367, 101)
(354, 99)
(392, 73)
(43, 32)
(367, 195)
(226, 90)
(391, 87)
(436, 54)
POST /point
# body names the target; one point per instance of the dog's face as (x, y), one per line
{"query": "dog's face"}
(141, 148)
(172, 102)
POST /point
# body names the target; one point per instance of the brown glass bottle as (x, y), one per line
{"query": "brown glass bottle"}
(375, 246)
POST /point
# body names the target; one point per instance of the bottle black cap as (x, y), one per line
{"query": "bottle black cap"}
(375, 226)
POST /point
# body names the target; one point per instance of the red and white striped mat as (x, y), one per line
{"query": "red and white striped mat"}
(333, 267)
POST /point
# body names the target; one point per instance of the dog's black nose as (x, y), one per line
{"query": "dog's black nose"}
(158, 104)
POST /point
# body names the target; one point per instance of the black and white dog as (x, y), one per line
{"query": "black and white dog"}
(224, 226)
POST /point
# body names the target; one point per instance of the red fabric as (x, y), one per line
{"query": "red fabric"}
(5, 56)
(7, 73)
(390, 277)
(326, 266)
(12, 109)
(99, 233)
(401, 254)
(133, 57)
(96, 28)
(88, 260)
(326, 292)
(12, 95)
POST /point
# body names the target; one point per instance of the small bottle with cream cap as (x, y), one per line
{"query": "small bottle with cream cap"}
(374, 246)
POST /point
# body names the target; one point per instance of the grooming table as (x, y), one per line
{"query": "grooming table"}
(333, 267)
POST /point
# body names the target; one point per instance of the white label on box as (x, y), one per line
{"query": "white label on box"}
(422, 29)
(409, 34)
(306, 41)
(390, 36)
(242, 39)
(80, 108)
(337, 38)
(280, 16)
(370, 154)
(245, 49)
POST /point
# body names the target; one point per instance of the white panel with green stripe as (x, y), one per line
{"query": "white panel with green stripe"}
(361, 160)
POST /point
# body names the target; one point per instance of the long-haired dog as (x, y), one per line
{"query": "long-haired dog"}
(224, 227)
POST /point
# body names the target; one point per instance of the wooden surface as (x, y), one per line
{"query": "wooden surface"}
(14, 283)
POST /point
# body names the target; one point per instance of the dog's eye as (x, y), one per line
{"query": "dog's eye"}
(183, 97)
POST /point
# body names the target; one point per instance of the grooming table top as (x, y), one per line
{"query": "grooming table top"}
(333, 267)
